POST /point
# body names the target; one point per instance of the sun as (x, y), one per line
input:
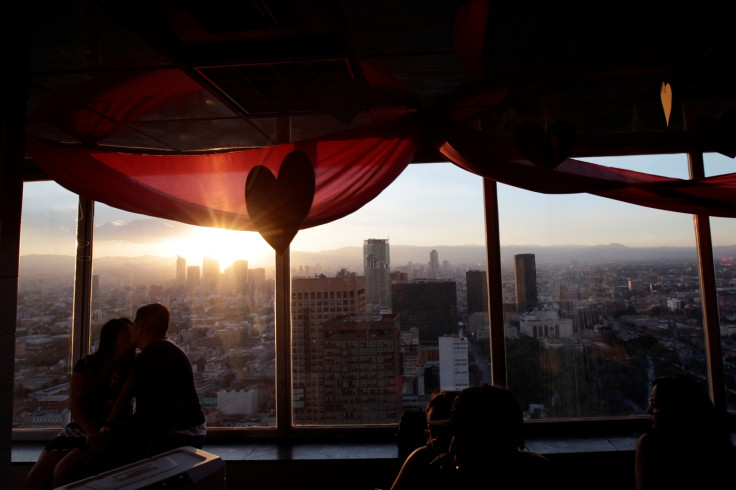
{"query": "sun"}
(226, 246)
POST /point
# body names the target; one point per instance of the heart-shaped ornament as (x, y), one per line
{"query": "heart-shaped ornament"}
(277, 207)
(665, 95)
(546, 149)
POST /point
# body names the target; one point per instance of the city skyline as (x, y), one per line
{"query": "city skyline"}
(591, 317)
(429, 205)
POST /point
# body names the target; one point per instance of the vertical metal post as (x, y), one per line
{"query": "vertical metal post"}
(495, 289)
(82, 321)
(283, 317)
(709, 299)
(283, 343)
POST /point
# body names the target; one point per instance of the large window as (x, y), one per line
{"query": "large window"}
(45, 305)
(388, 305)
(723, 233)
(600, 297)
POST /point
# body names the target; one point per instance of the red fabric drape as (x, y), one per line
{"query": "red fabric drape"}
(351, 168)
(473, 151)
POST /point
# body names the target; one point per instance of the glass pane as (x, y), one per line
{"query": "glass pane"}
(45, 306)
(389, 303)
(218, 286)
(723, 235)
(600, 298)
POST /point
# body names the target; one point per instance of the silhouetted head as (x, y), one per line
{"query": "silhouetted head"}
(487, 421)
(151, 323)
(678, 403)
(439, 408)
(114, 337)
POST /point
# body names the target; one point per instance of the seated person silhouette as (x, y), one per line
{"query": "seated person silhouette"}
(167, 413)
(687, 445)
(96, 384)
(414, 471)
(487, 449)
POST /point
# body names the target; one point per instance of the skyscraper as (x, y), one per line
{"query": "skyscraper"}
(193, 276)
(430, 306)
(477, 291)
(240, 276)
(211, 271)
(434, 265)
(257, 280)
(454, 364)
(362, 366)
(377, 271)
(95, 286)
(181, 270)
(525, 275)
(314, 301)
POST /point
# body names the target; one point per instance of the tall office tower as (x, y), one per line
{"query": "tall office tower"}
(430, 306)
(454, 364)
(257, 280)
(181, 271)
(362, 364)
(476, 283)
(434, 265)
(525, 275)
(313, 301)
(193, 276)
(95, 287)
(377, 271)
(240, 276)
(211, 271)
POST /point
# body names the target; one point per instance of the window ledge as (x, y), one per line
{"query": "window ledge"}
(234, 451)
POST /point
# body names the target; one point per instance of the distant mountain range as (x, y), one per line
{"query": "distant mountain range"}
(157, 270)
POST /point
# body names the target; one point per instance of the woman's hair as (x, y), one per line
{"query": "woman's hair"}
(109, 336)
(441, 404)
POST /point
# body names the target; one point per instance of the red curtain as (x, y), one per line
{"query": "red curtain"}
(475, 152)
(351, 168)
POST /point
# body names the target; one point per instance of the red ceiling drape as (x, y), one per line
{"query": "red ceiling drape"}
(351, 168)
(473, 151)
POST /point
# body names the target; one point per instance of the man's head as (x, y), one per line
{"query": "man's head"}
(151, 323)
(486, 421)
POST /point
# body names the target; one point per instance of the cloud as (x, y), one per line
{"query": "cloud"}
(140, 230)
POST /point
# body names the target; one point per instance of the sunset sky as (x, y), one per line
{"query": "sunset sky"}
(429, 205)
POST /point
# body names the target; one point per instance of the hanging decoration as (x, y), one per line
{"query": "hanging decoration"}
(317, 180)
(665, 95)
(278, 206)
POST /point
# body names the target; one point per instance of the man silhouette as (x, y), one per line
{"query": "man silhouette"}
(168, 413)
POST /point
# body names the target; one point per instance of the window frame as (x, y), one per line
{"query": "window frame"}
(285, 430)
